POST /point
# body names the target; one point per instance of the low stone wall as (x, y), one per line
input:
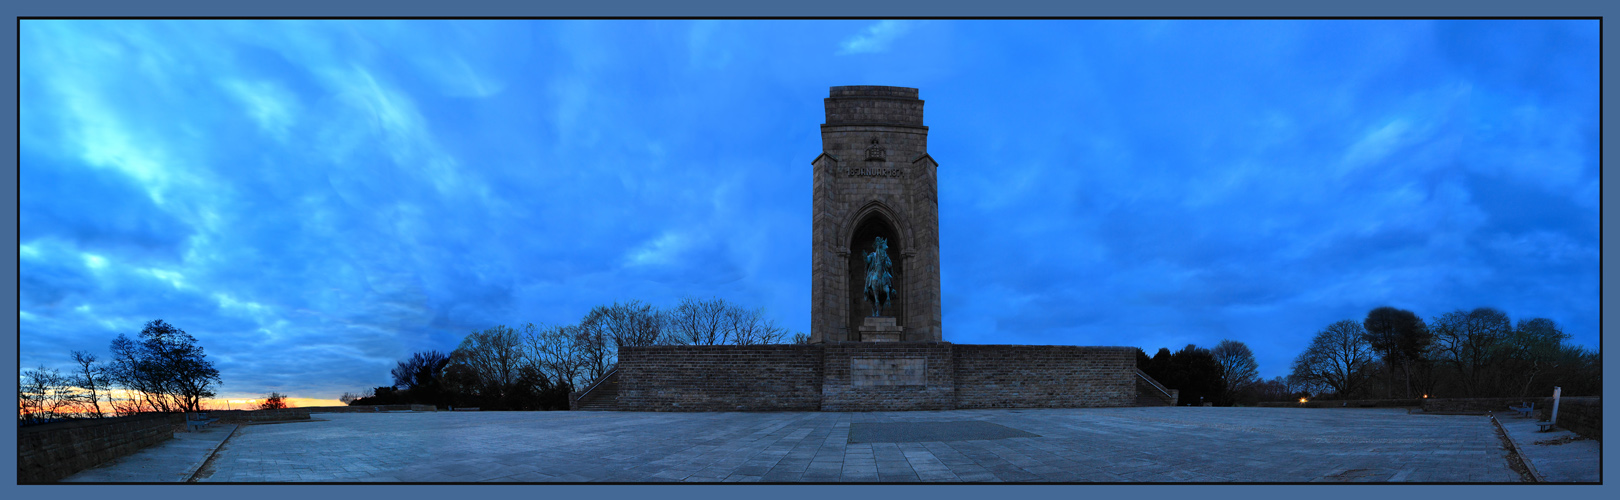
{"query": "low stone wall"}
(1044, 376)
(888, 376)
(1344, 403)
(302, 413)
(49, 452)
(366, 408)
(246, 416)
(1498, 405)
(1583, 416)
(720, 378)
(865, 376)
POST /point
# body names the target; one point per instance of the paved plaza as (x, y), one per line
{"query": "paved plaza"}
(1154, 444)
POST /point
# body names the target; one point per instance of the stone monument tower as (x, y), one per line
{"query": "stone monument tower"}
(874, 179)
(875, 319)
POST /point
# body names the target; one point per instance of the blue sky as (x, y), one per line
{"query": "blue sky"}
(315, 200)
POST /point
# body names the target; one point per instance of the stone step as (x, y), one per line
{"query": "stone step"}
(603, 398)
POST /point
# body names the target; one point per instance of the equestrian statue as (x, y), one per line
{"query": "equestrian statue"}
(879, 279)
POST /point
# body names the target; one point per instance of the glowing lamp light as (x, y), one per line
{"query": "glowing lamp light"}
(1302, 400)
(1425, 396)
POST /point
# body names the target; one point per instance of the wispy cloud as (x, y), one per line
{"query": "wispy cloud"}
(270, 106)
(876, 38)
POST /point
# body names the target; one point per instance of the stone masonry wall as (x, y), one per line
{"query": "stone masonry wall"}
(720, 378)
(888, 376)
(49, 452)
(1343, 403)
(365, 408)
(1025, 376)
(849, 189)
(1498, 405)
(302, 413)
(873, 104)
(923, 263)
(862, 376)
(1582, 416)
(244, 416)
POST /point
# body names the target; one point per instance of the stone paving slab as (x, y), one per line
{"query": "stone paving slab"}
(1150, 444)
(172, 461)
(917, 432)
(1559, 456)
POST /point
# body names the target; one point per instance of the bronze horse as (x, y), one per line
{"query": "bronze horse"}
(879, 280)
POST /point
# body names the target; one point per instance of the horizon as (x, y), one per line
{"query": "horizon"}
(317, 200)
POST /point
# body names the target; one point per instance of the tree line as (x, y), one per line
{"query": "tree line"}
(161, 370)
(535, 367)
(1224, 375)
(1393, 353)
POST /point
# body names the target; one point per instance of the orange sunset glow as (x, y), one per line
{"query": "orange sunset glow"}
(233, 403)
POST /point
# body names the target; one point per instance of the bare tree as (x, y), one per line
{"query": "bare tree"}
(166, 369)
(555, 351)
(1533, 348)
(1335, 359)
(493, 355)
(698, 322)
(31, 396)
(274, 401)
(1467, 341)
(1238, 368)
(750, 327)
(189, 376)
(605, 329)
(630, 323)
(1578, 370)
(43, 395)
(715, 321)
(348, 398)
(594, 346)
(129, 369)
(801, 338)
(92, 378)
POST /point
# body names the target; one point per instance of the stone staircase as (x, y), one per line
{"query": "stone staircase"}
(1150, 392)
(1146, 400)
(603, 397)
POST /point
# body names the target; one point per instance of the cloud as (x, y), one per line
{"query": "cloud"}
(272, 107)
(875, 39)
(315, 200)
(1377, 144)
(120, 214)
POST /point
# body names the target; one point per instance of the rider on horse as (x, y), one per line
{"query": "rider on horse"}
(878, 277)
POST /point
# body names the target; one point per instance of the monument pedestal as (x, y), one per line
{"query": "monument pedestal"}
(880, 329)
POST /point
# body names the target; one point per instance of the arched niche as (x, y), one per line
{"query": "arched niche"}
(868, 228)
